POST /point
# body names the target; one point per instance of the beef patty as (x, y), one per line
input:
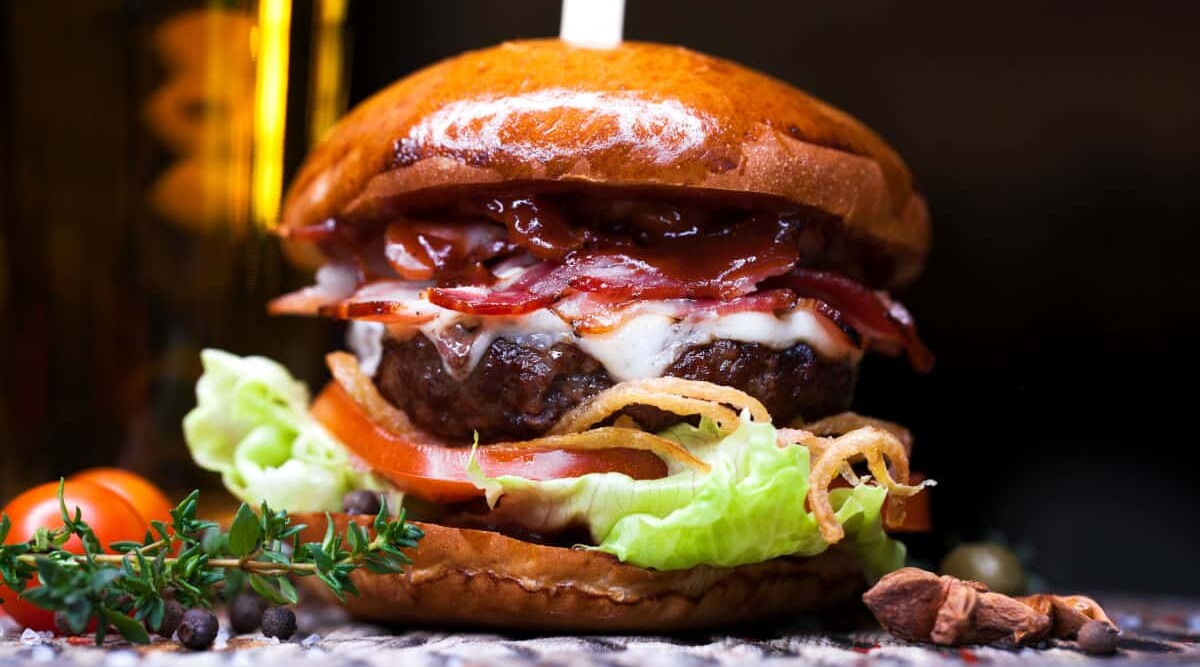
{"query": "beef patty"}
(517, 391)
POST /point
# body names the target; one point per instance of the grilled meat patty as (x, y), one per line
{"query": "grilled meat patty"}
(518, 391)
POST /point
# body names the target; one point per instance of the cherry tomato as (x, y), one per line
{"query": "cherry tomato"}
(438, 473)
(135, 489)
(111, 517)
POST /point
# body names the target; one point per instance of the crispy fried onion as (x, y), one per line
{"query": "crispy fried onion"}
(816, 446)
(347, 373)
(830, 459)
(844, 422)
(616, 437)
(675, 395)
(818, 436)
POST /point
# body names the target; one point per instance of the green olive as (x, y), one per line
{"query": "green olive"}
(991, 564)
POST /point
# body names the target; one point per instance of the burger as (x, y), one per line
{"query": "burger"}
(605, 314)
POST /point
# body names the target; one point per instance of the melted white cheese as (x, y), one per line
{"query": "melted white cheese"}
(365, 340)
(540, 329)
(643, 346)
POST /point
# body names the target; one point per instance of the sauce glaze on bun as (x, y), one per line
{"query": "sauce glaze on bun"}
(545, 114)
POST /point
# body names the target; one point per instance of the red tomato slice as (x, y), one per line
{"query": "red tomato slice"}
(917, 518)
(437, 472)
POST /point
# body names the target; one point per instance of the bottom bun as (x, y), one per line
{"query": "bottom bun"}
(480, 579)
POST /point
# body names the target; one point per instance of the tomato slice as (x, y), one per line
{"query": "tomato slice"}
(437, 472)
(917, 518)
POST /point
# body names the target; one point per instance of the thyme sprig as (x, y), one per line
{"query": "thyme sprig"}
(190, 559)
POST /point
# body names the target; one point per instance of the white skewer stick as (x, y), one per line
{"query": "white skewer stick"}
(593, 24)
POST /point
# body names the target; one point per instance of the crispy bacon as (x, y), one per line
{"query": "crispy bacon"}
(709, 267)
(873, 314)
(592, 313)
(335, 283)
(389, 302)
(538, 287)
(765, 301)
(590, 278)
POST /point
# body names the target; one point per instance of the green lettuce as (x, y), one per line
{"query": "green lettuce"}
(749, 509)
(251, 424)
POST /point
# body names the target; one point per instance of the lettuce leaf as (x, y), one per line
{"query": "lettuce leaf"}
(251, 424)
(749, 509)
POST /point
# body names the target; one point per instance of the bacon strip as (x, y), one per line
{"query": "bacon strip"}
(335, 283)
(591, 280)
(592, 313)
(389, 301)
(538, 287)
(873, 314)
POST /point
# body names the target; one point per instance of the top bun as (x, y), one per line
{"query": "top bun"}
(645, 116)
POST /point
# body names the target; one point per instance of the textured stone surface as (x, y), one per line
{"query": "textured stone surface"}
(1158, 632)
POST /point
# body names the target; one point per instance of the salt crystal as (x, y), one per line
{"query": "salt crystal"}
(311, 640)
(31, 637)
(41, 653)
(221, 641)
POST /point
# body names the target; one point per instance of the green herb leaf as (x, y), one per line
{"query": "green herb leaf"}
(263, 587)
(160, 528)
(156, 610)
(78, 614)
(287, 590)
(129, 628)
(245, 532)
(101, 578)
(62, 503)
(354, 538)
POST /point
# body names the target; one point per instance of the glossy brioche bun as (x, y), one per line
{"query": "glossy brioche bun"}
(481, 579)
(638, 116)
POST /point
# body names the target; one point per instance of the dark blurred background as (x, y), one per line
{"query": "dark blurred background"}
(1058, 145)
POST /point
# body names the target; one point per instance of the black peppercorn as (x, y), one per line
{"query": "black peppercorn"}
(1098, 638)
(361, 502)
(198, 629)
(246, 612)
(279, 622)
(172, 617)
